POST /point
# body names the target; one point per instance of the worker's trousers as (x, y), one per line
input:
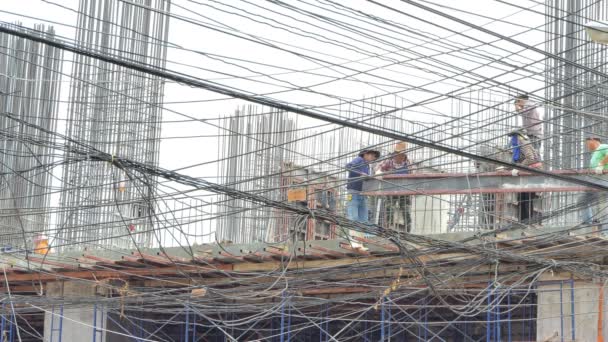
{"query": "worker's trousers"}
(536, 142)
(595, 209)
(527, 214)
(356, 209)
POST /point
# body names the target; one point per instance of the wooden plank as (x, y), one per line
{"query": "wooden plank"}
(309, 253)
(263, 256)
(99, 259)
(334, 290)
(329, 252)
(155, 259)
(295, 264)
(23, 288)
(228, 259)
(174, 258)
(182, 282)
(130, 262)
(278, 252)
(100, 274)
(43, 261)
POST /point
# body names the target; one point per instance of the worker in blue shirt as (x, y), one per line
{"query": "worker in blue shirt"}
(358, 170)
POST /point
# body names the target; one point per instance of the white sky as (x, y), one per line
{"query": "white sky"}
(194, 37)
(178, 153)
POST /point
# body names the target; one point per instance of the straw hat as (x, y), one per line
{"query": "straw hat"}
(400, 147)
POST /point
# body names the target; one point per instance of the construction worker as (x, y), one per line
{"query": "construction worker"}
(531, 120)
(524, 153)
(398, 208)
(358, 170)
(594, 199)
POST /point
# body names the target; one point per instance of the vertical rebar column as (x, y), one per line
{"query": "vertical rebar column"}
(115, 110)
(30, 76)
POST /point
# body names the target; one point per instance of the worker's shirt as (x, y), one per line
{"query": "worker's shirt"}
(389, 165)
(357, 169)
(523, 151)
(598, 155)
(531, 121)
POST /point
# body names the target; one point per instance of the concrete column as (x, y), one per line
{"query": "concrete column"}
(430, 221)
(74, 322)
(568, 313)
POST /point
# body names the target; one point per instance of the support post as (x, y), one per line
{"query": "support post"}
(489, 314)
(73, 323)
(509, 314)
(282, 334)
(573, 312)
(585, 299)
(187, 331)
(382, 320)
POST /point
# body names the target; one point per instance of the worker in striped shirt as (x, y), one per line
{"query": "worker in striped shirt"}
(398, 208)
(524, 153)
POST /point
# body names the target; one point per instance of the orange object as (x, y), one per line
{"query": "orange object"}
(41, 245)
(199, 292)
(297, 194)
(600, 319)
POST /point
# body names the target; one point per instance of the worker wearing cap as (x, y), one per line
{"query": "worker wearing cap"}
(531, 120)
(398, 208)
(595, 202)
(358, 170)
(524, 153)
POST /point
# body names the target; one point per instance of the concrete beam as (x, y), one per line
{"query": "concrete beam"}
(478, 183)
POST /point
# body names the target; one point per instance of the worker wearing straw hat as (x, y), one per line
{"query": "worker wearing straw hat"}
(398, 208)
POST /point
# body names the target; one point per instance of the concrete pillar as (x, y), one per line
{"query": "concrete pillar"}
(568, 311)
(430, 215)
(74, 322)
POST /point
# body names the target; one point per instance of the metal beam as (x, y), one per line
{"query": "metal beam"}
(479, 183)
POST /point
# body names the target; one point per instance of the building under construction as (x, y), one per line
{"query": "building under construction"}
(177, 171)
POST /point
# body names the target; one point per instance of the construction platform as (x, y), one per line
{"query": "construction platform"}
(212, 263)
(318, 273)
